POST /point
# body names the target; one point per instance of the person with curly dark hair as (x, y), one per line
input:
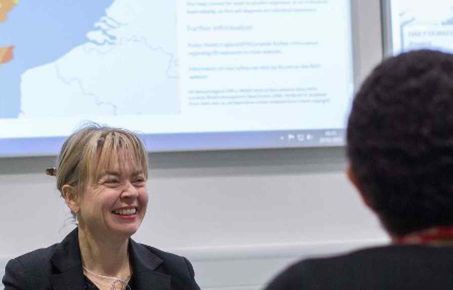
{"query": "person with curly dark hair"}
(400, 151)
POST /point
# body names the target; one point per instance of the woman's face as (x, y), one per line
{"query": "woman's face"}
(115, 204)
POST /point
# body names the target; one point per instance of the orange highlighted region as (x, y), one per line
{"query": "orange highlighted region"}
(6, 54)
(5, 7)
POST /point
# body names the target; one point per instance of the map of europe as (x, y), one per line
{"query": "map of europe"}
(72, 58)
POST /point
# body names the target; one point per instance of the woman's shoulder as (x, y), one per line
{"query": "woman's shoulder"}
(34, 262)
(156, 258)
(68, 247)
(155, 253)
(29, 271)
(146, 258)
(35, 259)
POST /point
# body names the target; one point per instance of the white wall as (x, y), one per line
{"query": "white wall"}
(240, 216)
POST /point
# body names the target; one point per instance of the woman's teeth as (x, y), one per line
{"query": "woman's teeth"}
(129, 211)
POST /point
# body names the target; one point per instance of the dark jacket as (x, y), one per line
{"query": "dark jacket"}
(59, 267)
(383, 268)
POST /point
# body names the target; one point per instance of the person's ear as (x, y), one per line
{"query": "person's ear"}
(71, 198)
(353, 179)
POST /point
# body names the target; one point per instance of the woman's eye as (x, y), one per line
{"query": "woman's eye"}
(111, 181)
(139, 181)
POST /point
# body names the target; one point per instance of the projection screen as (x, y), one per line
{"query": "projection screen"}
(185, 75)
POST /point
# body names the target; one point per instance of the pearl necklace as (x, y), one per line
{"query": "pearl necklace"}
(115, 283)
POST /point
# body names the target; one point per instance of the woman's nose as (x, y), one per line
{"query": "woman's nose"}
(129, 190)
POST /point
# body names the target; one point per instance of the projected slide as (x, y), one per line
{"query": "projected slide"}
(186, 74)
(420, 24)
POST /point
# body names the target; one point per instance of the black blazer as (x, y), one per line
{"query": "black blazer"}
(382, 268)
(59, 267)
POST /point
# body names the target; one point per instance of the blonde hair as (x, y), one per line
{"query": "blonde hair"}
(91, 150)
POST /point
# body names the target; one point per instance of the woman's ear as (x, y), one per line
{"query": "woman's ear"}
(71, 198)
(353, 179)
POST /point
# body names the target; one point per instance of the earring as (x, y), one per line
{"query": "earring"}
(76, 217)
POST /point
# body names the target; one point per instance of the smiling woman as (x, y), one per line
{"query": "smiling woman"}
(101, 174)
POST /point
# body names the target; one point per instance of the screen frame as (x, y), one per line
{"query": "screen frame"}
(387, 41)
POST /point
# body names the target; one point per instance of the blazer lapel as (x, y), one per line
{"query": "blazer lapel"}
(67, 263)
(145, 266)
(68, 273)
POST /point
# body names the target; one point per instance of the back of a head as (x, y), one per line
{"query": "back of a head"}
(400, 141)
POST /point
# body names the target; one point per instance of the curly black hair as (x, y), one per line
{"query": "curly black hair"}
(400, 141)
